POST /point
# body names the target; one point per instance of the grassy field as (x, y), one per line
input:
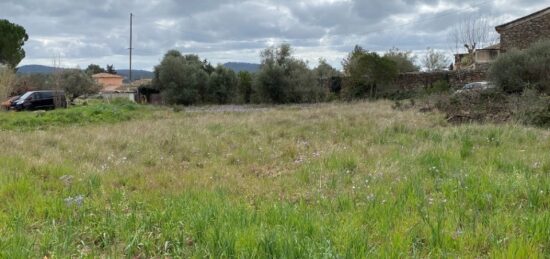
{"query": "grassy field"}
(95, 112)
(325, 181)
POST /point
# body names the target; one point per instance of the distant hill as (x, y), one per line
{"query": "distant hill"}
(239, 66)
(39, 69)
(136, 74)
(35, 69)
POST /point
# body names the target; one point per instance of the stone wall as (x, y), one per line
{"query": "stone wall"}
(457, 78)
(522, 35)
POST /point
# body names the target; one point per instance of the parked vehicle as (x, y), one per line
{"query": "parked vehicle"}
(479, 86)
(41, 100)
(10, 102)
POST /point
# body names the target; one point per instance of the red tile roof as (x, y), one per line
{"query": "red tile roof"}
(106, 75)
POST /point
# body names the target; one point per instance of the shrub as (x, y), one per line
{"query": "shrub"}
(516, 70)
(7, 79)
(439, 86)
(509, 72)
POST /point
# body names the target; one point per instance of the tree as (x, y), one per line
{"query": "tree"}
(285, 79)
(30, 82)
(93, 69)
(367, 72)
(404, 60)
(12, 39)
(207, 67)
(222, 86)
(111, 70)
(472, 33)
(435, 60)
(244, 87)
(76, 83)
(324, 70)
(181, 79)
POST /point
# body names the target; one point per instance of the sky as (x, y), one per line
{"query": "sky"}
(78, 33)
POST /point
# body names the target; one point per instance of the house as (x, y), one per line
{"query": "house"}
(482, 58)
(523, 32)
(109, 82)
(517, 34)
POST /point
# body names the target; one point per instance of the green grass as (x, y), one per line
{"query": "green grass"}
(96, 112)
(327, 181)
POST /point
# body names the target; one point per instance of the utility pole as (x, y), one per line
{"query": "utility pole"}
(130, 76)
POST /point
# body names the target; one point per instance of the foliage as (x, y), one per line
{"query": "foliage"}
(435, 60)
(181, 79)
(516, 70)
(92, 113)
(76, 83)
(285, 79)
(111, 70)
(367, 72)
(12, 39)
(440, 86)
(222, 86)
(7, 81)
(325, 71)
(245, 87)
(93, 69)
(404, 60)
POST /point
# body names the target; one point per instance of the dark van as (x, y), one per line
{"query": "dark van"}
(41, 100)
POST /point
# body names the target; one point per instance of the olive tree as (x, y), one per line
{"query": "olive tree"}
(285, 79)
(367, 72)
(181, 79)
(404, 60)
(76, 83)
(222, 86)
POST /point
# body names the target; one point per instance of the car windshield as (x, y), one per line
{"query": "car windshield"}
(25, 96)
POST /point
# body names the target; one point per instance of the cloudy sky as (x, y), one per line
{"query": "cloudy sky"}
(85, 31)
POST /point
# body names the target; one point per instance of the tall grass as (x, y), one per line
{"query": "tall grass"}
(335, 180)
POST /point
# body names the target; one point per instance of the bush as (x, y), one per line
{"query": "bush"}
(439, 86)
(516, 70)
(476, 106)
(7, 79)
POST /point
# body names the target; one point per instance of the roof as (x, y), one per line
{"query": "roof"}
(496, 46)
(523, 19)
(106, 75)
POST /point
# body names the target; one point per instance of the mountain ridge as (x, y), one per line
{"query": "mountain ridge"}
(40, 69)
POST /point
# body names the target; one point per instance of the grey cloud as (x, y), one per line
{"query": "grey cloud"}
(222, 30)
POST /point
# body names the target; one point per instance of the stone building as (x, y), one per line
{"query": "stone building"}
(109, 82)
(523, 32)
(517, 34)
